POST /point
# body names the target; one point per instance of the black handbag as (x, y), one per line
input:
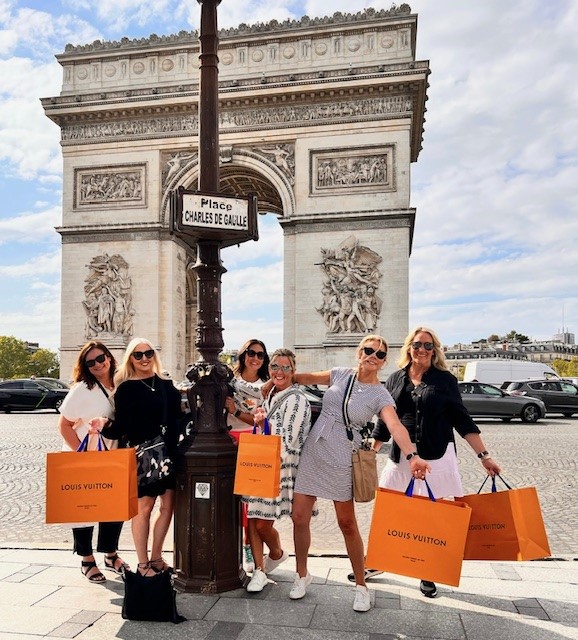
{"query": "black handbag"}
(150, 597)
(153, 462)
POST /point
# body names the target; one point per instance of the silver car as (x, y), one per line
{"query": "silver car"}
(486, 401)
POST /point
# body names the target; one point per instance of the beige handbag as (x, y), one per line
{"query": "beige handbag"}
(363, 461)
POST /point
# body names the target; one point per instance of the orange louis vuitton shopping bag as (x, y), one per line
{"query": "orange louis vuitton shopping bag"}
(91, 486)
(417, 536)
(506, 525)
(258, 469)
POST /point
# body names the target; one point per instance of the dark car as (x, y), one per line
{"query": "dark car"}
(27, 394)
(54, 383)
(486, 401)
(315, 397)
(559, 396)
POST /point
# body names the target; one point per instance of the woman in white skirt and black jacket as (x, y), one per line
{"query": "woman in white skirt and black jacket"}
(429, 405)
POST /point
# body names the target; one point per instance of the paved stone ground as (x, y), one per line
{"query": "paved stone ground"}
(540, 455)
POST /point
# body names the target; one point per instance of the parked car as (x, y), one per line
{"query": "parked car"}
(486, 401)
(558, 396)
(54, 383)
(315, 398)
(26, 394)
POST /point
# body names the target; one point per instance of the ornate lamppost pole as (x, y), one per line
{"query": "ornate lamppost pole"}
(207, 531)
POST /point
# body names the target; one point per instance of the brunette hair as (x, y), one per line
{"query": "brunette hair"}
(239, 366)
(81, 373)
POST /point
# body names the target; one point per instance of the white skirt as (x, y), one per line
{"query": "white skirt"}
(444, 479)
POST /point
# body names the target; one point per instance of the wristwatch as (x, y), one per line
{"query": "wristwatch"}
(411, 455)
(237, 413)
(483, 455)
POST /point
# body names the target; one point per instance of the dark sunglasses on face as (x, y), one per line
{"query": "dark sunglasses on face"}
(379, 354)
(138, 355)
(260, 355)
(100, 359)
(428, 346)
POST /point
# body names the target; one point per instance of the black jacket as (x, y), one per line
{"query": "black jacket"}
(430, 412)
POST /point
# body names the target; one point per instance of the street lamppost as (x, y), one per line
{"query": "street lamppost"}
(207, 514)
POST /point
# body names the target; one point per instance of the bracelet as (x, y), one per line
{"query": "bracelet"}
(237, 413)
(411, 455)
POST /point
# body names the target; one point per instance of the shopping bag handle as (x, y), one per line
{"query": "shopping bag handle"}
(409, 490)
(101, 445)
(494, 489)
(266, 428)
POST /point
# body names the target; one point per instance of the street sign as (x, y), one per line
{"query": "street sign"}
(198, 216)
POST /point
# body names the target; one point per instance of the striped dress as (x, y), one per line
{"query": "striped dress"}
(325, 467)
(289, 416)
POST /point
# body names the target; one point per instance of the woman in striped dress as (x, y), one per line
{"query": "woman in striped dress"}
(325, 466)
(289, 415)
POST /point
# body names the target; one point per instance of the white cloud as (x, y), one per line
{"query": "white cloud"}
(31, 227)
(40, 266)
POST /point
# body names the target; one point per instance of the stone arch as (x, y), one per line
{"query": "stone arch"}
(245, 171)
(326, 142)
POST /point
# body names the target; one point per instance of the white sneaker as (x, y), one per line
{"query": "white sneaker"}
(257, 582)
(300, 585)
(362, 600)
(271, 565)
(248, 558)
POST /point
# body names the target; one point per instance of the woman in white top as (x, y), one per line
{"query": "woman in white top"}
(250, 373)
(90, 397)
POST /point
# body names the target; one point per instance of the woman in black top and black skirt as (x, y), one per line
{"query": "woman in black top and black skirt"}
(140, 397)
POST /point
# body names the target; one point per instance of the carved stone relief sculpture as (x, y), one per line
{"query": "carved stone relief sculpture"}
(350, 281)
(284, 157)
(366, 169)
(107, 186)
(108, 298)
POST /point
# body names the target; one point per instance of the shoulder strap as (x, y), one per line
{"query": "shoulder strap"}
(104, 391)
(165, 408)
(346, 397)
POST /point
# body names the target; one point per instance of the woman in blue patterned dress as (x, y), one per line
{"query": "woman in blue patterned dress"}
(289, 415)
(325, 465)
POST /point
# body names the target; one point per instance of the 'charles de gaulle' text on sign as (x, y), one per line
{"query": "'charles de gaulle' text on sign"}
(213, 212)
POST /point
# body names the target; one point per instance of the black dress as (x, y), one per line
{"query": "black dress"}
(139, 417)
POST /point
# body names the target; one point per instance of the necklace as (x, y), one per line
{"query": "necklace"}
(148, 386)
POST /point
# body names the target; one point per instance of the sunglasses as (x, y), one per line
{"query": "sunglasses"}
(286, 368)
(379, 354)
(138, 355)
(100, 359)
(428, 346)
(260, 355)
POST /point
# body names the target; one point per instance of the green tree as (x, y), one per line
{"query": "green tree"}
(13, 357)
(566, 368)
(494, 338)
(514, 336)
(44, 364)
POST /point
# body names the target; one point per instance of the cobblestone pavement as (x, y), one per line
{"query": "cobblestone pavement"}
(541, 455)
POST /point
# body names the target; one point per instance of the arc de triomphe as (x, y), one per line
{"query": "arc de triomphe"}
(321, 117)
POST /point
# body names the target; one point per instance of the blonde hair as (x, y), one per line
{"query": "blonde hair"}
(438, 359)
(126, 370)
(284, 353)
(372, 337)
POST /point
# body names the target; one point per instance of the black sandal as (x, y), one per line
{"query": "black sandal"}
(144, 567)
(110, 564)
(86, 568)
(165, 567)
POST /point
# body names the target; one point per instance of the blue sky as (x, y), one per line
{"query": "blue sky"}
(494, 187)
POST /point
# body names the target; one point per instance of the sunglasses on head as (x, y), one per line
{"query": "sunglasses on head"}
(286, 368)
(100, 359)
(260, 355)
(379, 354)
(428, 346)
(138, 355)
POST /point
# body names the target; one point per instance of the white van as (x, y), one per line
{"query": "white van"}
(496, 370)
